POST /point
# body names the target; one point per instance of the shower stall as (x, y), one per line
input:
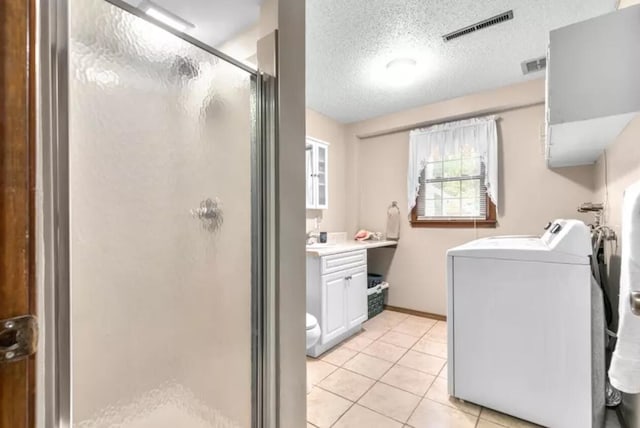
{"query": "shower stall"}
(160, 167)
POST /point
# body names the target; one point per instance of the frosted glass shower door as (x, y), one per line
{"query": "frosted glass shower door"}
(160, 147)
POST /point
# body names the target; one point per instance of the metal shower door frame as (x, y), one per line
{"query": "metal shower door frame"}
(54, 256)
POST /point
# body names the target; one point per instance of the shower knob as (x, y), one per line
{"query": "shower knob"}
(209, 213)
(635, 302)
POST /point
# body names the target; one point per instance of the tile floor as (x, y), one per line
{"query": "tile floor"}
(392, 374)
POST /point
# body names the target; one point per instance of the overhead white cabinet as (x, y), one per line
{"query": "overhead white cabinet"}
(593, 85)
(317, 169)
(337, 296)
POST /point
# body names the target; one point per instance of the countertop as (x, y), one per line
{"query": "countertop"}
(320, 250)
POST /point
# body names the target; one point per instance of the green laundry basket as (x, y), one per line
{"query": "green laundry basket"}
(376, 300)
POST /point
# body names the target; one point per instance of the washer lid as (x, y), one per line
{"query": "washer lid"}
(311, 321)
(566, 241)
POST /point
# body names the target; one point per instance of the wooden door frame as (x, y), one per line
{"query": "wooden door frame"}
(17, 199)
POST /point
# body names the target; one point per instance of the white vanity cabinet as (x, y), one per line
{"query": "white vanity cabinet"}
(356, 297)
(337, 296)
(317, 169)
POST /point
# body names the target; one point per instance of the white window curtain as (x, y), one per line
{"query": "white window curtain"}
(428, 144)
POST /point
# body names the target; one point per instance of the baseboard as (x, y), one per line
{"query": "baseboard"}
(416, 313)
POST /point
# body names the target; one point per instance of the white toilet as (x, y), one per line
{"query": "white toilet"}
(313, 330)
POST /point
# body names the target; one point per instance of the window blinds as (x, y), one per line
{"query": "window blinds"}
(433, 206)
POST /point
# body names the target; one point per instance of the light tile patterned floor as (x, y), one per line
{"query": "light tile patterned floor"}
(392, 374)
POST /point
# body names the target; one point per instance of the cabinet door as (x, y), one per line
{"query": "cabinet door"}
(334, 317)
(310, 176)
(322, 176)
(357, 306)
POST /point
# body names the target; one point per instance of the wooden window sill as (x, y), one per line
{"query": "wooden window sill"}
(490, 222)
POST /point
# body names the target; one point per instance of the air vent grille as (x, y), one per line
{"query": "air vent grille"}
(534, 65)
(503, 17)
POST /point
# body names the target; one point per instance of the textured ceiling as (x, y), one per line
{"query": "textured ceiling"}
(349, 43)
(216, 20)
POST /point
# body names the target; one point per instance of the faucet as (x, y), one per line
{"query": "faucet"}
(312, 237)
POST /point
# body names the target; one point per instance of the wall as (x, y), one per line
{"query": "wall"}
(530, 194)
(326, 129)
(615, 170)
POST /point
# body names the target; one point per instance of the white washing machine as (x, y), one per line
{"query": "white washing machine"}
(526, 327)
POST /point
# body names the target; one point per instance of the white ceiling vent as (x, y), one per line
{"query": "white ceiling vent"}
(503, 17)
(534, 65)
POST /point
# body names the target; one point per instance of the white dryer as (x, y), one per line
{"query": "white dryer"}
(526, 327)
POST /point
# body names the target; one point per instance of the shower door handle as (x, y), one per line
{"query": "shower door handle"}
(635, 302)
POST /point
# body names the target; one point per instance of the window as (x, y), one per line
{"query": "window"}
(452, 177)
(452, 193)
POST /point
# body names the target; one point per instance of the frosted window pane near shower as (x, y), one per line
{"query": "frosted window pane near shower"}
(161, 322)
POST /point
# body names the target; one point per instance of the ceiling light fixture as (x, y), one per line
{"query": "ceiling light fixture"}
(401, 71)
(160, 14)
